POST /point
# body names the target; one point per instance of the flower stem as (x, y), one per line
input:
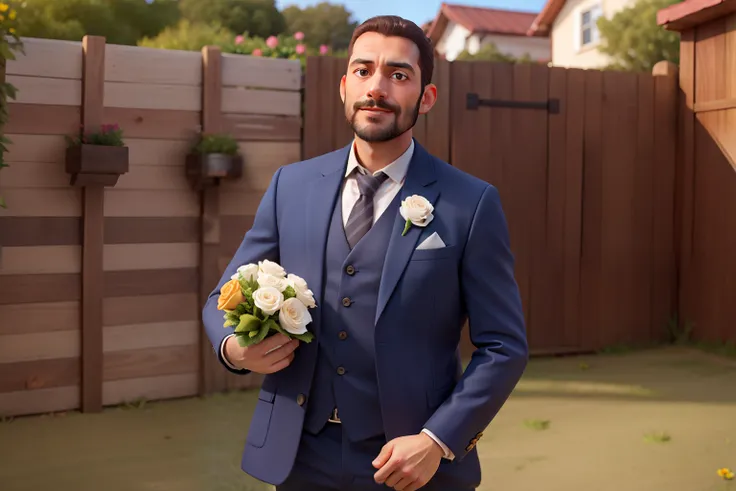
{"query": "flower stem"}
(406, 227)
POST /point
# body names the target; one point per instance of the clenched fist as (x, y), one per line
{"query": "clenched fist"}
(409, 462)
(270, 355)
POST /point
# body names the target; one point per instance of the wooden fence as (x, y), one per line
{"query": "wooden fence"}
(588, 191)
(101, 289)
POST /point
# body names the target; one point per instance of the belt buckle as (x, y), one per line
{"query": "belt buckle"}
(334, 418)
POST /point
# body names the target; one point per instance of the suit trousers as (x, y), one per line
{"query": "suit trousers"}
(329, 461)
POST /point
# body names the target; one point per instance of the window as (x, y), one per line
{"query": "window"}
(588, 33)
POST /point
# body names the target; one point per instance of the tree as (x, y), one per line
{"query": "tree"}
(255, 17)
(323, 23)
(633, 39)
(189, 36)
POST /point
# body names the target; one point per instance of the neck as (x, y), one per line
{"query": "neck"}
(374, 156)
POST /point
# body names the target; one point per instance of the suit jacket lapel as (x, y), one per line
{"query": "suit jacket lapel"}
(321, 197)
(420, 180)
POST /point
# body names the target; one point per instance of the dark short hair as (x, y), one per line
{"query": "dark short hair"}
(393, 25)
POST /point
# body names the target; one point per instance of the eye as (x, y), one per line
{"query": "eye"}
(363, 72)
(399, 74)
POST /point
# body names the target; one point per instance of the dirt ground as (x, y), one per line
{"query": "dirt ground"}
(659, 420)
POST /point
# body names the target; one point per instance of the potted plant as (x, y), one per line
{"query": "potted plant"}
(214, 157)
(97, 157)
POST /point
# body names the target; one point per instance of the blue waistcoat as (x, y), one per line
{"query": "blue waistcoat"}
(345, 376)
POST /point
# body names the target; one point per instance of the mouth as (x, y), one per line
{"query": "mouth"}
(375, 110)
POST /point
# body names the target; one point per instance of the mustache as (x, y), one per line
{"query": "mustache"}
(380, 103)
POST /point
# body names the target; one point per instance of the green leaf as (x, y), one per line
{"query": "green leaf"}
(2, 202)
(248, 323)
(307, 337)
(11, 91)
(289, 293)
(406, 227)
(241, 309)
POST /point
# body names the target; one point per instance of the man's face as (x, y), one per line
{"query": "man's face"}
(382, 89)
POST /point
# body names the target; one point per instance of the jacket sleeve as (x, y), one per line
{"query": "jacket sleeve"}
(259, 243)
(497, 330)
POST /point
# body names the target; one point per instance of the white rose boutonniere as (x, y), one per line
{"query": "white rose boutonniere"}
(416, 210)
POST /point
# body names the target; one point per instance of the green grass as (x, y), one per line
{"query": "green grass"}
(657, 437)
(537, 424)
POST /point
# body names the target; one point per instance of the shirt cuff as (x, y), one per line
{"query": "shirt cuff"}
(222, 353)
(448, 453)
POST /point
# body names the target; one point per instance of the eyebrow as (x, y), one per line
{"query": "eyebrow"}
(395, 64)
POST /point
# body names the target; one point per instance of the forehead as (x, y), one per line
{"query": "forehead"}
(377, 47)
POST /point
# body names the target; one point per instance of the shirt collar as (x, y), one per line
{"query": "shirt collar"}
(396, 170)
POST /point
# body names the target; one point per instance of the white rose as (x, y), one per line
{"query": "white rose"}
(270, 280)
(417, 210)
(272, 268)
(268, 299)
(294, 316)
(303, 293)
(249, 272)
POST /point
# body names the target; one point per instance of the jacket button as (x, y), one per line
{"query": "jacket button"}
(346, 301)
(301, 399)
(342, 335)
(350, 270)
(340, 371)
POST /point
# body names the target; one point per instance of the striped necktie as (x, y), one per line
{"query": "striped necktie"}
(361, 217)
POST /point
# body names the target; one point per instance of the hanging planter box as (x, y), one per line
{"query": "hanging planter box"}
(96, 164)
(208, 169)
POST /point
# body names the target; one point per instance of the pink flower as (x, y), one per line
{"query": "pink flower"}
(272, 42)
(257, 52)
(299, 36)
(301, 49)
(323, 49)
(239, 39)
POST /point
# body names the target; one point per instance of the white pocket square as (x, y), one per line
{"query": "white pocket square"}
(432, 242)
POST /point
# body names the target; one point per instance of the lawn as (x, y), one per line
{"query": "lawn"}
(661, 419)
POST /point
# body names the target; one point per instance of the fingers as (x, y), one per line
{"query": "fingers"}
(270, 343)
(383, 457)
(279, 354)
(280, 365)
(392, 466)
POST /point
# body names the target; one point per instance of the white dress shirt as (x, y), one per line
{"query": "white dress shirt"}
(396, 172)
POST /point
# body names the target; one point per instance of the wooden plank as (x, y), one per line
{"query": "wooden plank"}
(261, 101)
(40, 401)
(37, 119)
(160, 361)
(730, 57)
(36, 289)
(36, 148)
(239, 202)
(157, 152)
(151, 230)
(151, 203)
(42, 231)
(154, 335)
(150, 282)
(53, 58)
(156, 124)
(153, 96)
(259, 72)
(262, 159)
(142, 65)
(122, 257)
(591, 258)
(150, 309)
(231, 236)
(212, 95)
(43, 90)
(643, 254)
(715, 105)
(31, 175)
(312, 143)
(342, 130)
(21, 319)
(42, 202)
(461, 126)
(250, 127)
(39, 346)
(164, 177)
(710, 52)
(39, 374)
(149, 388)
(438, 120)
(41, 260)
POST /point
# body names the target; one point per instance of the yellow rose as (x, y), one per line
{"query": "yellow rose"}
(4, 7)
(12, 15)
(230, 296)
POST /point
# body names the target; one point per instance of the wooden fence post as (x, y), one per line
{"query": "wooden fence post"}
(210, 212)
(93, 217)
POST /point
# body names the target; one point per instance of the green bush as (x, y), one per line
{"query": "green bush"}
(217, 143)
(109, 135)
(189, 36)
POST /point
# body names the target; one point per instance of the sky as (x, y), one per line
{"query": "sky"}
(418, 11)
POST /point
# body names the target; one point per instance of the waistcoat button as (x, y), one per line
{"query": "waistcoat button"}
(340, 371)
(301, 399)
(350, 270)
(343, 335)
(346, 301)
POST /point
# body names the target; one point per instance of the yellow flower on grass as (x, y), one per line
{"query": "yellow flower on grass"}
(12, 15)
(12, 30)
(4, 7)
(726, 474)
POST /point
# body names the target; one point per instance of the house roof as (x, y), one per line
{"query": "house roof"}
(481, 20)
(542, 25)
(687, 14)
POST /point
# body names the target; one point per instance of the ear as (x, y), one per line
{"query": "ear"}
(429, 98)
(342, 89)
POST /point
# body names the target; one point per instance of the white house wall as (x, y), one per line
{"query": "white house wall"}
(452, 42)
(517, 46)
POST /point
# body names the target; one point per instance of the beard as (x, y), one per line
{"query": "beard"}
(402, 122)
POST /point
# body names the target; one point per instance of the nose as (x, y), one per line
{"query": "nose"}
(376, 87)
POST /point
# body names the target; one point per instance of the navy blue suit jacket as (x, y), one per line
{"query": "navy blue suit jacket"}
(424, 300)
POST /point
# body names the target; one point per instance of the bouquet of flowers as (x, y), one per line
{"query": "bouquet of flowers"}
(261, 300)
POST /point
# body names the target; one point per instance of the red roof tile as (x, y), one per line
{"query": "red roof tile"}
(486, 20)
